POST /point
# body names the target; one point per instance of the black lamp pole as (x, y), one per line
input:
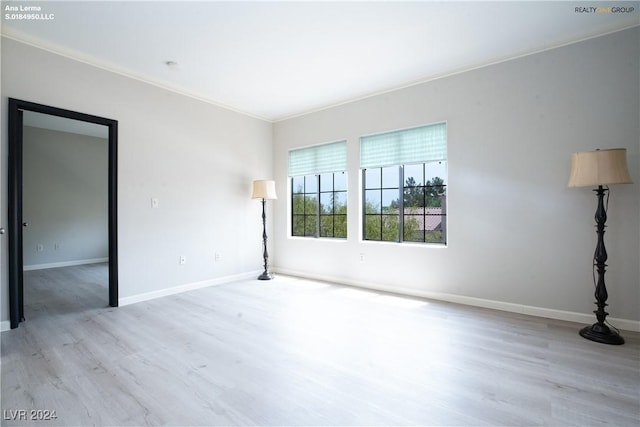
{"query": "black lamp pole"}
(599, 331)
(265, 275)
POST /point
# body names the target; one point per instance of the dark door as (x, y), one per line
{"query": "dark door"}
(16, 300)
(16, 220)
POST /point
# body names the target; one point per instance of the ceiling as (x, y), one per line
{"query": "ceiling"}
(276, 60)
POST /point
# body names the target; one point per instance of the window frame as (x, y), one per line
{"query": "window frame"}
(424, 144)
(401, 187)
(312, 163)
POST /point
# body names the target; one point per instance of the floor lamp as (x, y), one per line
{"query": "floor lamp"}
(590, 169)
(265, 190)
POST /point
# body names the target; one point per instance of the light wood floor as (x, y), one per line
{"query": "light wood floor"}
(296, 352)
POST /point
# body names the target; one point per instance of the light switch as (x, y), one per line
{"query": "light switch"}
(154, 203)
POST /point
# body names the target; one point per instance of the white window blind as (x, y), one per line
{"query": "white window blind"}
(417, 145)
(318, 159)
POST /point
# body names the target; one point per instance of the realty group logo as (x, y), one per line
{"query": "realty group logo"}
(604, 9)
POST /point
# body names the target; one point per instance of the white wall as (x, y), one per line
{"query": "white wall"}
(196, 158)
(517, 234)
(65, 201)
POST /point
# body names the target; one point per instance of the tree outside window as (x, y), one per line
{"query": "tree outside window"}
(401, 206)
(319, 205)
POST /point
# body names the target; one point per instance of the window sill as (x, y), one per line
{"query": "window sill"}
(407, 244)
(317, 239)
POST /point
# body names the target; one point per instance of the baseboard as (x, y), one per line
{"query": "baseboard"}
(623, 324)
(549, 313)
(64, 264)
(186, 287)
(5, 325)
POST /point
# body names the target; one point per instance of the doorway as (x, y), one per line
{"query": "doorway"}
(17, 109)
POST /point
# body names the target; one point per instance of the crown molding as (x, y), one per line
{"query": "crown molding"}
(112, 68)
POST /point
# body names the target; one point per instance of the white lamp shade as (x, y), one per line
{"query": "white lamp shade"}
(599, 167)
(264, 189)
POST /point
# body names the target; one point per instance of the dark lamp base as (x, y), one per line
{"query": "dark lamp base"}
(602, 334)
(265, 276)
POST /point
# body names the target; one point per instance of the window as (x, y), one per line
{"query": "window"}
(319, 190)
(404, 175)
(328, 218)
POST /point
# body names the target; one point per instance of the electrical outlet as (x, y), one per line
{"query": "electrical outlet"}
(183, 260)
(56, 246)
(39, 247)
(155, 203)
(218, 257)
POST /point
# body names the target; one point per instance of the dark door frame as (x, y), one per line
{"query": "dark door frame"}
(16, 109)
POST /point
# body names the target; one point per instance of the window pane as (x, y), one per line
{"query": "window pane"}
(326, 226)
(413, 198)
(310, 184)
(390, 201)
(435, 236)
(372, 201)
(372, 178)
(435, 181)
(433, 219)
(311, 225)
(390, 225)
(340, 226)
(326, 182)
(298, 225)
(297, 184)
(340, 203)
(413, 228)
(298, 204)
(413, 174)
(340, 181)
(326, 203)
(435, 196)
(311, 204)
(390, 177)
(436, 169)
(372, 227)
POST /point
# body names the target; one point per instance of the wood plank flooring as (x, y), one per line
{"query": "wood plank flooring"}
(298, 352)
